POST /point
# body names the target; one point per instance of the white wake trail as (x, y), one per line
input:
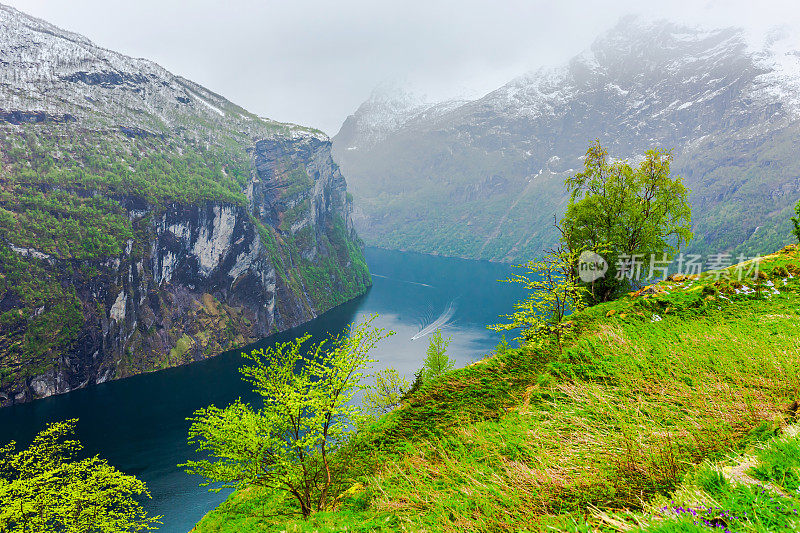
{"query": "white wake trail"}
(401, 280)
(439, 323)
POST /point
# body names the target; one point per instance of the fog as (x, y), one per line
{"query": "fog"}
(314, 62)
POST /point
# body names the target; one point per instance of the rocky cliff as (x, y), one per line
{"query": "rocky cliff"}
(146, 222)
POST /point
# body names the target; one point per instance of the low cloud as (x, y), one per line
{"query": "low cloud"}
(314, 62)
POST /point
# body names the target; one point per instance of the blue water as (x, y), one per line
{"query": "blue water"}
(139, 424)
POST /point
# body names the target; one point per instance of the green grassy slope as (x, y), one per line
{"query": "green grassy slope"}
(660, 401)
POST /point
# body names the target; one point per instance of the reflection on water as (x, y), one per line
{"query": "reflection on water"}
(139, 424)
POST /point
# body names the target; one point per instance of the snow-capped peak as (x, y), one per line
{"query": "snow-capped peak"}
(50, 71)
(778, 54)
(391, 106)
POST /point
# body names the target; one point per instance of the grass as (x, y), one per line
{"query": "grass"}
(731, 494)
(255, 510)
(650, 393)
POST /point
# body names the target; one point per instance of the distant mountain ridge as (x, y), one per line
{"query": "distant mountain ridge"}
(54, 71)
(147, 222)
(388, 109)
(484, 178)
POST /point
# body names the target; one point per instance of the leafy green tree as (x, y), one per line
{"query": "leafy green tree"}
(386, 393)
(553, 292)
(796, 222)
(289, 444)
(46, 488)
(622, 212)
(437, 362)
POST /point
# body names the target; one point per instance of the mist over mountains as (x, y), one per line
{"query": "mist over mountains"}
(484, 178)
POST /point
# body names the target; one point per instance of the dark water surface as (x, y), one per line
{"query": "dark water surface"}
(139, 424)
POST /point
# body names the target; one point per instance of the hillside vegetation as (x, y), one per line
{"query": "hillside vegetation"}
(669, 410)
(148, 222)
(71, 203)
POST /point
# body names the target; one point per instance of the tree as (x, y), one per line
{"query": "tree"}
(437, 362)
(796, 222)
(288, 444)
(386, 393)
(46, 488)
(623, 213)
(554, 292)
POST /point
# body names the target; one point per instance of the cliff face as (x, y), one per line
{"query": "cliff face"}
(153, 237)
(195, 279)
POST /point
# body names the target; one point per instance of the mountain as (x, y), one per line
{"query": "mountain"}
(388, 109)
(147, 222)
(483, 179)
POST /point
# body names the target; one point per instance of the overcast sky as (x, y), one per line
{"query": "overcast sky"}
(314, 61)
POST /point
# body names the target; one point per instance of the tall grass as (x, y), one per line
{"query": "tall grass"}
(647, 388)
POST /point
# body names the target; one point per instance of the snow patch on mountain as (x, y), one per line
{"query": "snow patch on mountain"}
(389, 108)
(53, 70)
(211, 106)
(779, 56)
(50, 71)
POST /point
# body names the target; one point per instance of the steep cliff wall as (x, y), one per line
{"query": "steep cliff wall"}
(186, 281)
(146, 222)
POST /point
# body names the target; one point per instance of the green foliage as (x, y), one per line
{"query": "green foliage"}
(338, 274)
(47, 319)
(288, 444)
(619, 211)
(63, 224)
(47, 488)
(463, 396)
(386, 393)
(554, 292)
(796, 222)
(437, 362)
(718, 497)
(258, 510)
(712, 480)
(155, 168)
(594, 438)
(780, 463)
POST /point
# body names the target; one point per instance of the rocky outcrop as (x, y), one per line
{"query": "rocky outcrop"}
(203, 279)
(147, 222)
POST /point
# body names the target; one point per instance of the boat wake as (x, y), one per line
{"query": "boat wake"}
(439, 323)
(402, 280)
